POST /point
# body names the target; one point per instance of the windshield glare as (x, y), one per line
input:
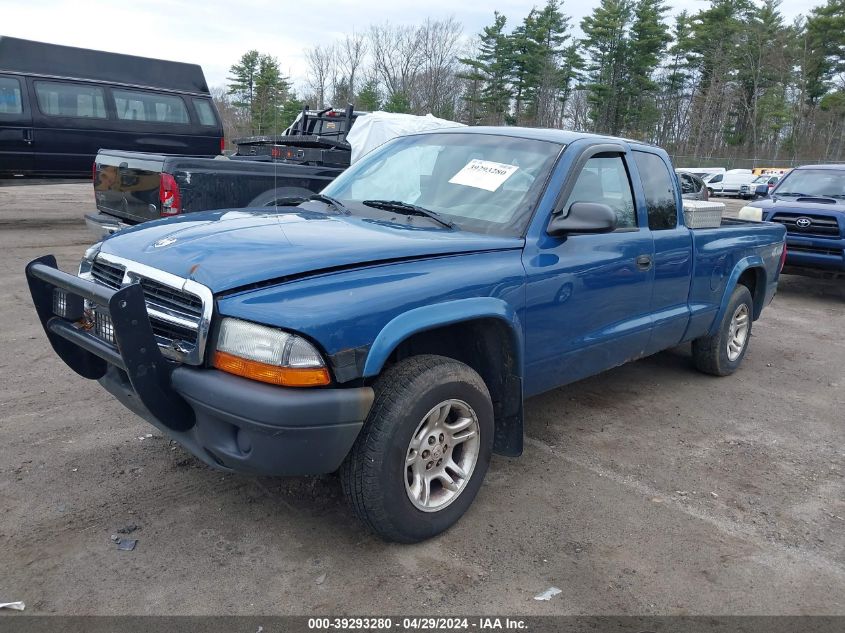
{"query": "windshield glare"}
(481, 182)
(826, 183)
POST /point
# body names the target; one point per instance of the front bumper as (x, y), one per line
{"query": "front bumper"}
(228, 422)
(815, 257)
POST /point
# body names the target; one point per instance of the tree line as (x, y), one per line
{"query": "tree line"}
(735, 79)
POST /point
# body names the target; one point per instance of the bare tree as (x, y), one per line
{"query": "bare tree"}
(397, 57)
(438, 85)
(322, 71)
(352, 54)
(235, 119)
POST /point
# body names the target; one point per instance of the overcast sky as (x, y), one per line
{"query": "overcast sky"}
(215, 33)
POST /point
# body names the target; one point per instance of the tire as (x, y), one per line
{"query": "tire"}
(376, 476)
(711, 354)
(268, 198)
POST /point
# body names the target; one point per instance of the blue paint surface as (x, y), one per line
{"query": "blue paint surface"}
(575, 305)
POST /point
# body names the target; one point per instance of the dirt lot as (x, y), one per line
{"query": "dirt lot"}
(650, 489)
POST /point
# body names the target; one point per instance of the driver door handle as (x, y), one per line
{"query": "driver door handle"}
(644, 262)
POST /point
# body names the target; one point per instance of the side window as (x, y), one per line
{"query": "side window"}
(659, 192)
(149, 106)
(73, 100)
(716, 178)
(687, 184)
(10, 96)
(604, 179)
(205, 112)
(697, 184)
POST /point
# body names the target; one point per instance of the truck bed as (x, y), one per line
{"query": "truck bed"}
(128, 185)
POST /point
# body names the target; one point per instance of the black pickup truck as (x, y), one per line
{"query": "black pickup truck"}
(135, 187)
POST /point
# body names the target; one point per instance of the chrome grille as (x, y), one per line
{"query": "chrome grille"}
(179, 318)
(171, 299)
(819, 224)
(110, 275)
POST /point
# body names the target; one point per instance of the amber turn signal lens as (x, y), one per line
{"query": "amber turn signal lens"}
(271, 374)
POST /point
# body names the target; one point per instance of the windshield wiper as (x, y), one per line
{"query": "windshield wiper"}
(792, 194)
(408, 208)
(332, 202)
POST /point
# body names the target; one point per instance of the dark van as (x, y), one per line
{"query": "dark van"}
(60, 105)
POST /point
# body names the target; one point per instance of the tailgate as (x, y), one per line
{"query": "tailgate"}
(126, 185)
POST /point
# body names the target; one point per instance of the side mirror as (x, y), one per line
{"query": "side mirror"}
(583, 217)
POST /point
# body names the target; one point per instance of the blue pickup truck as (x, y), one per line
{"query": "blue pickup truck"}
(392, 326)
(810, 202)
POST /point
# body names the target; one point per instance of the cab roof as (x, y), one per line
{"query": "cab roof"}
(564, 137)
(836, 166)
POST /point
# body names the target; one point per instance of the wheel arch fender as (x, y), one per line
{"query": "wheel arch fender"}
(750, 263)
(504, 381)
(429, 317)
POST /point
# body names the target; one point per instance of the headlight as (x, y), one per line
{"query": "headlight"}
(88, 259)
(754, 214)
(268, 355)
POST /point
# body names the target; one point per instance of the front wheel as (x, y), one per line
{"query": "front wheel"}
(423, 451)
(722, 353)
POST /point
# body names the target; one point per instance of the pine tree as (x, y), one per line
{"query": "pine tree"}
(398, 102)
(242, 83)
(271, 90)
(606, 45)
(368, 97)
(526, 61)
(675, 85)
(260, 91)
(826, 36)
(648, 39)
(555, 66)
(490, 69)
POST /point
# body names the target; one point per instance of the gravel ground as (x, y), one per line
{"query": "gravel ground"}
(650, 489)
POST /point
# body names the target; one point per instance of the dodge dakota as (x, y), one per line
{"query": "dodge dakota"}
(391, 328)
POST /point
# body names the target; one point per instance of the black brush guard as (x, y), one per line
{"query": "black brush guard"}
(136, 353)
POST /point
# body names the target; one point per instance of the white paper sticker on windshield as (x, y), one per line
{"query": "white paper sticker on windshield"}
(483, 174)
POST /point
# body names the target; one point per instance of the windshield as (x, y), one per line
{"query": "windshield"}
(479, 182)
(825, 183)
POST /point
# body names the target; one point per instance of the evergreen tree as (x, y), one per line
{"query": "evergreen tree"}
(259, 90)
(555, 65)
(490, 69)
(242, 82)
(271, 91)
(826, 37)
(290, 110)
(606, 45)
(398, 102)
(675, 83)
(648, 39)
(526, 61)
(368, 97)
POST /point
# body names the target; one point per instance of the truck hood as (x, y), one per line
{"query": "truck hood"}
(228, 249)
(801, 205)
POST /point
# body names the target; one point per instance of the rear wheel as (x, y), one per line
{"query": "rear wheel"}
(722, 353)
(423, 451)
